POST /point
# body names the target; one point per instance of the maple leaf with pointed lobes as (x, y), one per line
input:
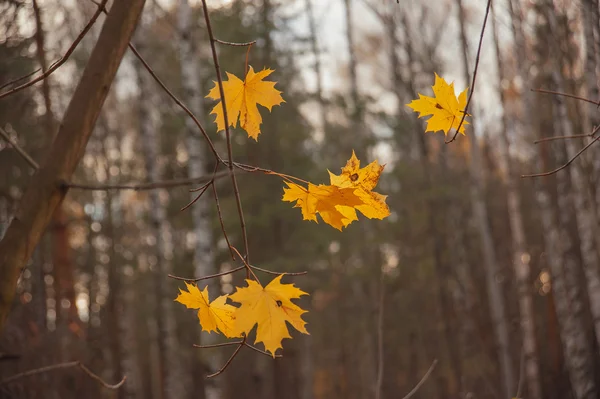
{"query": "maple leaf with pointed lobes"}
(241, 99)
(334, 204)
(446, 109)
(363, 181)
(270, 307)
(213, 316)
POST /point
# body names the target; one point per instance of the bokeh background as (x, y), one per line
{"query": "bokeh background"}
(495, 276)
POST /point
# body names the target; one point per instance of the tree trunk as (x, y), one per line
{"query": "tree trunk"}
(492, 269)
(578, 196)
(204, 257)
(44, 193)
(520, 256)
(314, 46)
(160, 267)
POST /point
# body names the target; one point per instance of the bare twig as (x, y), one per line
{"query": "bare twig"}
(254, 348)
(59, 366)
(227, 132)
(574, 136)
(278, 273)
(570, 161)
(62, 59)
(487, 13)
(557, 93)
(181, 105)
(219, 345)
(221, 222)
(233, 355)
(16, 80)
(18, 149)
(144, 186)
(207, 277)
(521, 374)
(425, 377)
(236, 44)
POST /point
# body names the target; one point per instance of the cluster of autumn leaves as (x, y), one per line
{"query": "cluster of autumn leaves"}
(271, 307)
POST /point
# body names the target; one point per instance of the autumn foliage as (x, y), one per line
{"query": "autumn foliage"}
(270, 308)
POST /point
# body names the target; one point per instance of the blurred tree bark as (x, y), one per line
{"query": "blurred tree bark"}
(521, 257)
(490, 262)
(204, 257)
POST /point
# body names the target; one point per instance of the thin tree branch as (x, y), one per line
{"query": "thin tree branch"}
(425, 377)
(166, 89)
(557, 93)
(18, 149)
(240, 346)
(254, 348)
(59, 366)
(465, 111)
(569, 162)
(14, 81)
(236, 191)
(219, 345)
(62, 59)
(278, 273)
(236, 44)
(575, 136)
(207, 277)
(144, 186)
(221, 222)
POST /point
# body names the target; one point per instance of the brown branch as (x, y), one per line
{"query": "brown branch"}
(43, 194)
(219, 345)
(240, 346)
(465, 111)
(207, 277)
(278, 273)
(221, 222)
(574, 136)
(254, 348)
(62, 59)
(425, 377)
(14, 81)
(236, 191)
(569, 162)
(143, 186)
(177, 101)
(18, 149)
(557, 93)
(59, 366)
(236, 44)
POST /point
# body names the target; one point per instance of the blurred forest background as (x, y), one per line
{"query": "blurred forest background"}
(495, 276)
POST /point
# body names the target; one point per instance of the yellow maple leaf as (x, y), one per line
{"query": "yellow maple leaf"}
(213, 316)
(241, 99)
(269, 307)
(363, 181)
(446, 109)
(334, 204)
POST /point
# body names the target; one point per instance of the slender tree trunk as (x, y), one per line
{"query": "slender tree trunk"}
(492, 269)
(520, 256)
(579, 197)
(564, 276)
(168, 350)
(314, 46)
(204, 258)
